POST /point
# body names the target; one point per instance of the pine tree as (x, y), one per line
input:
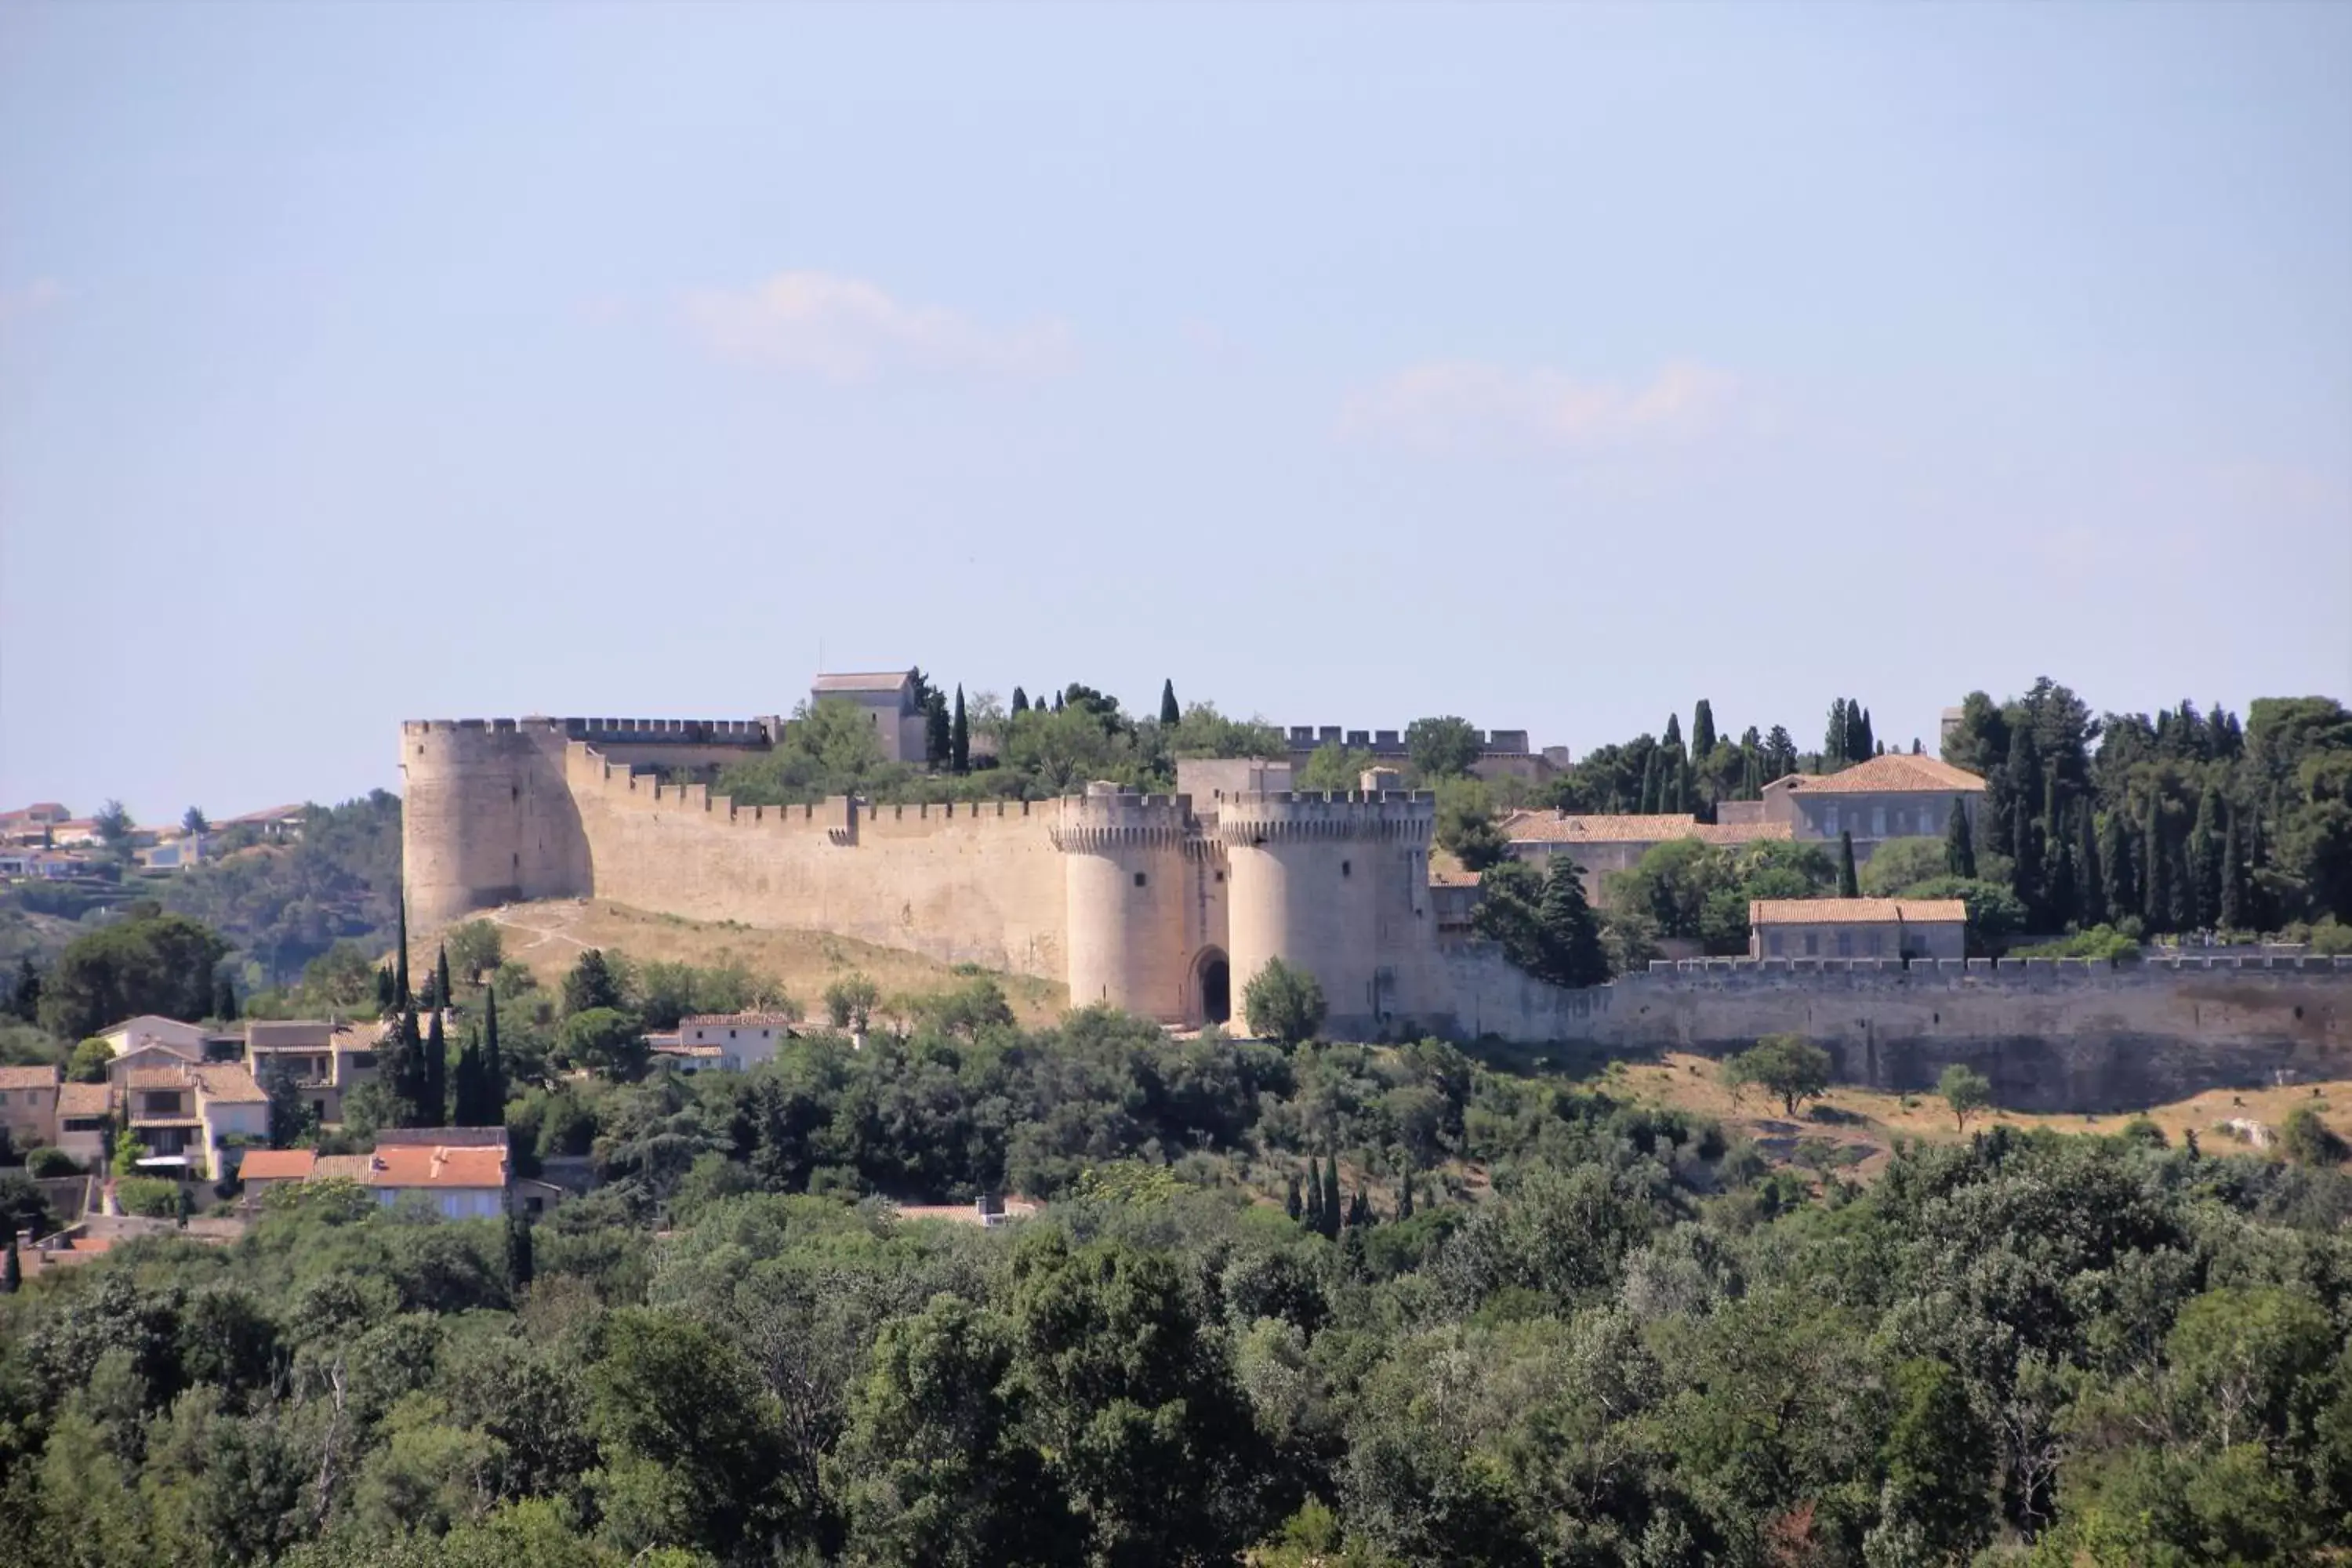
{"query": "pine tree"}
(2156, 863)
(1702, 730)
(1332, 1204)
(1833, 739)
(2090, 876)
(1569, 932)
(434, 1103)
(519, 1265)
(400, 963)
(1020, 701)
(1960, 851)
(959, 736)
(2232, 905)
(1849, 883)
(1170, 714)
(1291, 1203)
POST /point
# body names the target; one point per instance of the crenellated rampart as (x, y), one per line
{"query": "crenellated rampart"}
(2050, 1033)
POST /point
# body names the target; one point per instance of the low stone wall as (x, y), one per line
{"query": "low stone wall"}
(2052, 1035)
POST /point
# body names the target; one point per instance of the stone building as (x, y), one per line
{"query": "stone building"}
(1600, 845)
(1858, 928)
(887, 699)
(1898, 796)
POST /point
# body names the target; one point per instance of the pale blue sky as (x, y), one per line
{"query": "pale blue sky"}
(1555, 367)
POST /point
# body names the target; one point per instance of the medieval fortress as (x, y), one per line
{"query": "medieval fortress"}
(1165, 905)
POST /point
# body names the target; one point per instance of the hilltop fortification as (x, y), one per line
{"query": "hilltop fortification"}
(1163, 905)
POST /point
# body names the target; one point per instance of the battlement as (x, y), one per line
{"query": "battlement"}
(1352, 814)
(748, 732)
(1958, 973)
(1390, 743)
(1102, 819)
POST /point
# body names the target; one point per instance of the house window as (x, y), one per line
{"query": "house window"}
(1813, 943)
(4, 1096)
(1878, 822)
(1873, 945)
(1773, 944)
(1846, 944)
(1830, 822)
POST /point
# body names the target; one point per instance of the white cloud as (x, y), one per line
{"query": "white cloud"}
(847, 329)
(1446, 405)
(29, 299)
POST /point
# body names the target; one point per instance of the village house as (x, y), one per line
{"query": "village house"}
(29, 1105)
(729, 1042)
(84, 1110)
(1857, 928)
(327, 1060)
(182, 1112)
(32, 824)
(1599, 845)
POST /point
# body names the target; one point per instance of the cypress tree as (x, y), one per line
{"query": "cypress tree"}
(494, 1068)
(2090, 880)
(1170, 714)
(1404, 1194)
(519, 1265)
(959, 736)
(224, 999)
(2060, 895)
(1314, 1195)
(1670, 775)
(1331, 1210)
(400, 971)
(1833, 741)
(1020, 701)
(1057, 702)
(2026, 846)
(1858, 733)
(1959, 850)
(406, 1078)
(2183, 884)
(2232, 909)
(1648, 803)
(442, 994)
(1291, 1205)
(1359, 1212)
(465, 1088)
(435, 1101)
(12, 1268)
(2156, 862)
(939, 731)
(387, 992)
(1702, 730)
(2205, 858)
(2115, 864)
(1849, 883)
(1674, 735)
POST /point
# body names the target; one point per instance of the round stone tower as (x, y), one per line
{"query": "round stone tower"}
(1125, 869)
(485, 817)
(1321, 882)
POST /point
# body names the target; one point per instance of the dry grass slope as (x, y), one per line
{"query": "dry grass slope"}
(549, 936)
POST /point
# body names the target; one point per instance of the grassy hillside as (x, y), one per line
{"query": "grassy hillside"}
(549, 935)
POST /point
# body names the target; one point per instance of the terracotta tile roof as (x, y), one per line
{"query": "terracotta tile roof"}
(230, 1084)
(28, 1077)
(418, 1165)
(1898, 773)
(1855, 912)
(341, 1168)
(156, 1078)
(277, 1165)
(862, 680)
(1452, 877)
(1559, 827)
(85, 1098)
(745, 1020)
(289, 1035)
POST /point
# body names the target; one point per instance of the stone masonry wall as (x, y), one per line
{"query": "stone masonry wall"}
(2052, 1036)
(964, 884)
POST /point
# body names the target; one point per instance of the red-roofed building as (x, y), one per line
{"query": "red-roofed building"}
(1898, 796)
(463, 1183)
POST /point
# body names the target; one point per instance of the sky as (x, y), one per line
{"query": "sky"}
(1553, 367)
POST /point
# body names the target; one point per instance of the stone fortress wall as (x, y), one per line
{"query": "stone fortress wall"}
(2050, 1033)
(1158, 904)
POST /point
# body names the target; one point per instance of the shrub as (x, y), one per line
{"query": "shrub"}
(1283, 1003)
(50, 1162)
(150, 1197)
(2309, 1140)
